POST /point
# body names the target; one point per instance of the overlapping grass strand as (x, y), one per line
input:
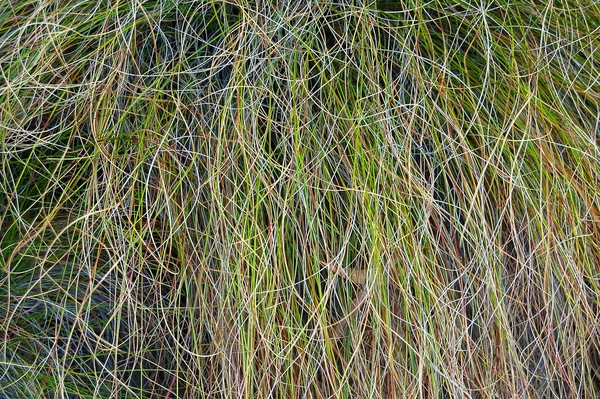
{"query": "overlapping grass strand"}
(316, 199)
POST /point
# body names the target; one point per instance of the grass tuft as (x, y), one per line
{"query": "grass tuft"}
(319, 199)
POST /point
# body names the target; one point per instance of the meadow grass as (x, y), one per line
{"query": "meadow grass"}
(280, 199)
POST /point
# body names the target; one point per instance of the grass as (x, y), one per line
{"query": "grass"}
(316, 199)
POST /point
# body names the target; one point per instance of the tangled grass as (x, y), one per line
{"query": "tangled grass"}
(204, 198)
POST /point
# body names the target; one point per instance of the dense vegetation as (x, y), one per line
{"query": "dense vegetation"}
(351, 199)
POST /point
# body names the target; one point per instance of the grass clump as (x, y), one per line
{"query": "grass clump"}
(203, 198)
